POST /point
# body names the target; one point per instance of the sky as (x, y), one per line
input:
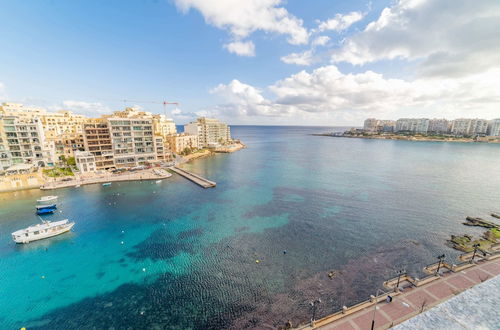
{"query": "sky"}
(255, 62)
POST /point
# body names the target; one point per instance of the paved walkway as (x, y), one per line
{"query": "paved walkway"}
(413, 300)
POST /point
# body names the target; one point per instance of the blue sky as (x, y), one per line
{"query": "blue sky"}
(89, 55)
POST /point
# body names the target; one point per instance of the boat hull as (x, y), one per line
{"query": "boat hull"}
(25, 240)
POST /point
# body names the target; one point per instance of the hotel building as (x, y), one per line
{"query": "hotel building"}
(210, 132)
(97, 140)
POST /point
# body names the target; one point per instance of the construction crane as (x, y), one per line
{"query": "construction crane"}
(165, 103)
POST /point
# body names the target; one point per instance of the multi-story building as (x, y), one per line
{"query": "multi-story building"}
(97, 139)
(163, 126)
(62, 122)
(469, 127)
(133, 140)
(180, 143)
(370, 125)
(494, 127)
(439, 126)
(85, 161)
(67, 144)
(23, 141)
(162, 149)
(210, 132)
(21, 111)
(412, 125)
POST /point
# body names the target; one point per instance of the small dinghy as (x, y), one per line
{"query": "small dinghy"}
(107, 184)
(49, 206)
(45, 211)
(46, 199)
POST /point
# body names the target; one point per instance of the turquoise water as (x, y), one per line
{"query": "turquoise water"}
(176, 256)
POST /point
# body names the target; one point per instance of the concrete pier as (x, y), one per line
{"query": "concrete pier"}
(194, 177)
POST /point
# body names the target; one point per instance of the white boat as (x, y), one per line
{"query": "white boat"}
(46, 199)
(158, 181)
(106, 184)
(42, 230)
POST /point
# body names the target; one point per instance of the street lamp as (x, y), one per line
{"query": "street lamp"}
(441, 258)
(313, 305)
(399, 272)
(375, 308)
(475, 246)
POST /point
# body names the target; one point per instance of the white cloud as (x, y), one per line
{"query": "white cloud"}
(242, 18)
(326, 90)
(82, 107)
(304, 58)
(448, 37)
(241, 48)
(320, 41)
(340, 22)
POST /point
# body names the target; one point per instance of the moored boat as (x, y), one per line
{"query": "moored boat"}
(48, 206)
(45, 211)
(106, 184)
(42, 230)
(46, 199)
(158, 181)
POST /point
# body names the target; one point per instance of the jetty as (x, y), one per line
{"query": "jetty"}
(199, 180)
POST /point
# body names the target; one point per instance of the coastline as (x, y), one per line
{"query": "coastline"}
(413, 138)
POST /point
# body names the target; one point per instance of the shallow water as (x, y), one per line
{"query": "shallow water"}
(188, 257)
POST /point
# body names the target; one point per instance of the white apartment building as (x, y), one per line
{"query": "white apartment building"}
(132, 140)
(494, 127)
(178, 143)
(370, 125)
(163, 126)
(211, 132)
(23, 141)
(85, 161)
(439, 126)
(412, 125)
(469, 127)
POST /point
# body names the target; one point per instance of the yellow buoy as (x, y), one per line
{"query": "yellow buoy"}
(23, 328)
(257, 261)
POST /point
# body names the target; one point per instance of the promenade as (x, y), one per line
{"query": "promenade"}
(411, 301)
(199, 180)
(150, 174)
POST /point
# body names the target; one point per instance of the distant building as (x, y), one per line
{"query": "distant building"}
(178, 143)
(439, 126)
(370, 125)
(412, 125)
(494, 127)
(210, 132)
(85, 161)
(469, 127)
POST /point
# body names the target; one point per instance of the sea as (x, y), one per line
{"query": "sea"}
(256, 250)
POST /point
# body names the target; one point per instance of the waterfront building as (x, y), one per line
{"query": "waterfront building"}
(20, 176)
(439, 126)
(494, 127)
(85, 161)
(67, 144)
(183, 142)
(162, 149)
(211, 132)
(412, 125)
(469, 127)
(370, 125)
(23, 141)
(97, 140)
(132, 138)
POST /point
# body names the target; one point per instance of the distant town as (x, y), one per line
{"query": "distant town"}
(39, 147)
(424, 129)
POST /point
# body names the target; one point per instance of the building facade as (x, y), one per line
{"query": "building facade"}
(412, 125)
(439, 126)
(469, 127)
(97, 140)
(210, 132)
(181, 143)
(85, 161)
(494, 127)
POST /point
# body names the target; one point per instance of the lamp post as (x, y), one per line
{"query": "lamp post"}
(441, 258)
(400, 272)
(313, 305)
(475, 246)
(375, 308)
